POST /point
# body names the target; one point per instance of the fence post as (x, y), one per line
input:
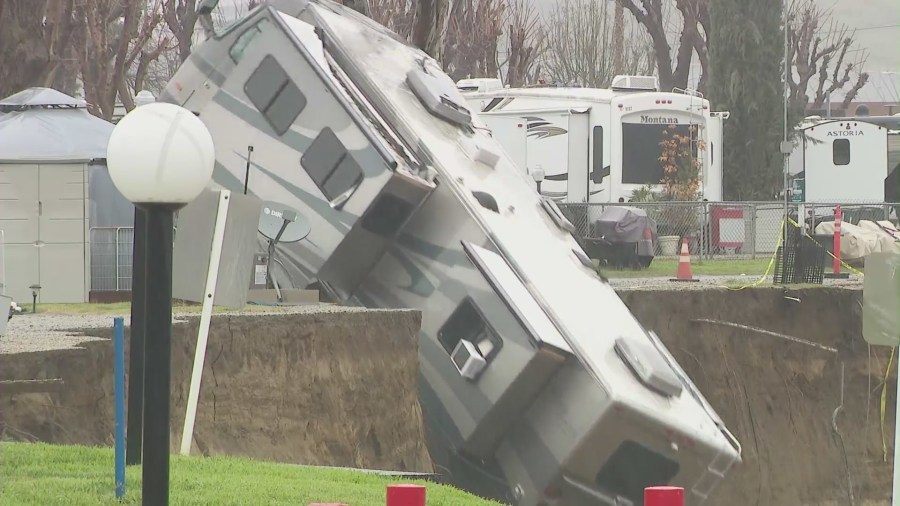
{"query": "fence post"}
(116, 232)
(752, 234)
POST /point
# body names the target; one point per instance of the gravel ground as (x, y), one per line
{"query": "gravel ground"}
(706, 282)
(48, 331)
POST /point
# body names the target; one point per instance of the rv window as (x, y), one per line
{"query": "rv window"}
(271, 90)
(632, 468)
(330, 165)
(840, 150)
(468, 323)
(641, 151)
(243, 41)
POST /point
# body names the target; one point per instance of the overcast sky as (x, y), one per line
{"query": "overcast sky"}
(877, 23)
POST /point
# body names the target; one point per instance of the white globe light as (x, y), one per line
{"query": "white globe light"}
(160, 153)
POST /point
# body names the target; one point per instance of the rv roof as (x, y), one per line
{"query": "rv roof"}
(581, 94)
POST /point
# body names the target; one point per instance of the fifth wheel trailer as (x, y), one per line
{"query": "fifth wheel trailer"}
(598, 145)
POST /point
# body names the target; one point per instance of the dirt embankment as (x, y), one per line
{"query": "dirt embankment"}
(332, 388)
(779, 397)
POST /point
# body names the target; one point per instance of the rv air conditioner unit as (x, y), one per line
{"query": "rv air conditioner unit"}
(480, 84)
(635, 83)
(467, 360)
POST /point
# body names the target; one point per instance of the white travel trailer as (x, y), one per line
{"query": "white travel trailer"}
(537, 384)
(839, 160)
(597, 145)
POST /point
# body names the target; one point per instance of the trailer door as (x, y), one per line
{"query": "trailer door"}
(579, 155)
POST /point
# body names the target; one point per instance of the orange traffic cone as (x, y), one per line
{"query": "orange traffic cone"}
(684, 265)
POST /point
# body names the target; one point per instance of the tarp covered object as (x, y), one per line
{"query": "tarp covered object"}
(859, 241)
(42, 124)
(624, 224)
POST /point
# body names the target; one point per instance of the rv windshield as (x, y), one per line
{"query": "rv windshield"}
(641, 150)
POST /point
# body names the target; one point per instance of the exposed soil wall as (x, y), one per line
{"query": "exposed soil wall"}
(331, 388)
(341, 389)
(778, 397)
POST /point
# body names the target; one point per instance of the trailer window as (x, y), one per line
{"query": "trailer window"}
(632, 468)
(641, 151)
(840, 151)
(275, 95)
(330, 165)
(468, 323)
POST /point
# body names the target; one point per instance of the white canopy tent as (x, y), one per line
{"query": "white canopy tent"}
(54, 187)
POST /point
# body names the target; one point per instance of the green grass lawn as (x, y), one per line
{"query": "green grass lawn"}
(35, 474)
(663, 267)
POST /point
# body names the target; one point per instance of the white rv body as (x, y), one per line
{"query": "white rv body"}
(537, 384)
(628, 121)
(840, 160)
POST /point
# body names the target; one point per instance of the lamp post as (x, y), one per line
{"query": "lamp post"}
(134, 436)
(538, 176)
(160, 157)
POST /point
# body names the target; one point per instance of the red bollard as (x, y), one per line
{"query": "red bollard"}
(406, 494)
(663, 496)
(836, 265)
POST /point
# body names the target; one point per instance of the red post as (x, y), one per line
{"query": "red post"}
(663, 496)
(406, 495)
(837, 240)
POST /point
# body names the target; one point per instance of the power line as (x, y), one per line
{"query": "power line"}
(849, 29)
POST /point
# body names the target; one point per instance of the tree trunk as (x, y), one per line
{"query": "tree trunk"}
(23, 55)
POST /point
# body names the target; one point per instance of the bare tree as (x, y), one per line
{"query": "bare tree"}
(821, 49)
(117, 36)
(36, 45)
(429, 28)
(472, 44)
(694, 30)
(526, 42)
(582, 45)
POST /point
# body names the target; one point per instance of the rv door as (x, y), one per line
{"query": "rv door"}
(579, 155)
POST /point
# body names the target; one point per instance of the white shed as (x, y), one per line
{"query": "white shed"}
(48, 143)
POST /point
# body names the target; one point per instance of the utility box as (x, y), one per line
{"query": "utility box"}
(881, 299)
(194, 230)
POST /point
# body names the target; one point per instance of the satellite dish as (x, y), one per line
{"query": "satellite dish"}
(272, 217)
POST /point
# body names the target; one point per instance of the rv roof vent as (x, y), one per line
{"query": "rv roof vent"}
(481, 84)
(635, 83)
(438, 94)
(649, 367)
(486, 200)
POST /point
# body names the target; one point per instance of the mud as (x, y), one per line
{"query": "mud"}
(779, 397)
(336, 388)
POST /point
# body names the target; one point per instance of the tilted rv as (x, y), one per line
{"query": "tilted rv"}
(537, 383)
(596, 145)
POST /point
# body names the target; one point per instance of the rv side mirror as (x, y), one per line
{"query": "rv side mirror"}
(598, 174)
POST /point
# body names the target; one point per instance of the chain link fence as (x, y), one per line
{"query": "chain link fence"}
(726, 230)
(111, 258)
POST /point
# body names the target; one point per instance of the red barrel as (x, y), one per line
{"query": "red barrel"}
(663, 496)
(406, 494)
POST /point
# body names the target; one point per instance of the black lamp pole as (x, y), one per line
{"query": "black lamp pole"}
(134, 437)
(160, 221)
